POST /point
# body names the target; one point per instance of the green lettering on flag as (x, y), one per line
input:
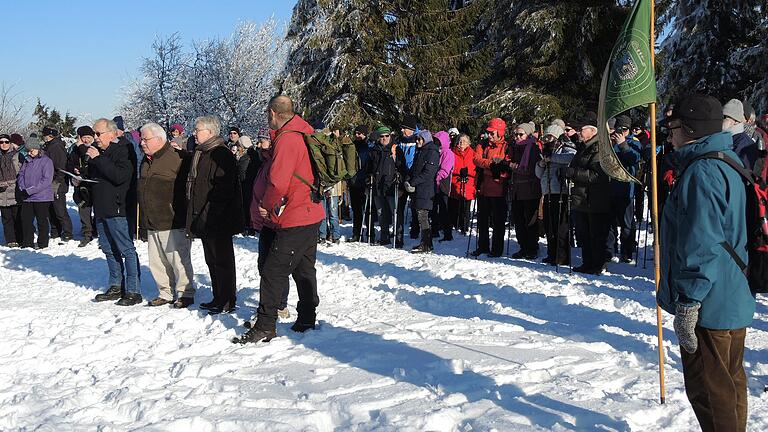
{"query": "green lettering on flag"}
(628, 81)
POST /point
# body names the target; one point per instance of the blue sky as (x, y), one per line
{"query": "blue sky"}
(77, 55)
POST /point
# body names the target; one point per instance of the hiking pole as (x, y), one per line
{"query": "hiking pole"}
(471, 223)
(463, 208)
(571, 229)
(637, 238)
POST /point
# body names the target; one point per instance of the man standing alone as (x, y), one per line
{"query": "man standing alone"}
(292, 246)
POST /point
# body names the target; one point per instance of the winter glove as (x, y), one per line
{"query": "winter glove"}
(669, 177)
(464, 172)
(685, 325)
(409, 188)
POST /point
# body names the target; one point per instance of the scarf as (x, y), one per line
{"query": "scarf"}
(199, 150)
(7, 170)
(525, 160)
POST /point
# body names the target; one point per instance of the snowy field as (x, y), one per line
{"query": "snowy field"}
(406, 343)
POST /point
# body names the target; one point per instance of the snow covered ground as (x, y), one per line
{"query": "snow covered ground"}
(406, 343)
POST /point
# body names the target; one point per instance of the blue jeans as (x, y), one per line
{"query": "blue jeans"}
(331, 206)
(115, 241)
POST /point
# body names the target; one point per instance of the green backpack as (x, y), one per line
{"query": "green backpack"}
(333, 160)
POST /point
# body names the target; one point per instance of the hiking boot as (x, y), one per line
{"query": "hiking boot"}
(353, 239)
(518, 255)
(446, 237)
(129, 299)
(113, 293)
(582, 269)
(385, 242)
(255, 335)
(426, 243)
(158, 302)
(226, 308)
(208, 305)
(84, 242)
(66, 237)
(548, 260)
(494, 254)
(284, 313)
(478, 252)
(301, 328)
(12, 245)
(183, 303)
(399, 244)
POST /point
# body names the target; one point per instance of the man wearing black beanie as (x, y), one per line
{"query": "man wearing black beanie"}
(61, 224)
(357, 184)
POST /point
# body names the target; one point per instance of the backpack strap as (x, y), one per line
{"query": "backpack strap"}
(315, 188)
(748, 178)
(719, 155)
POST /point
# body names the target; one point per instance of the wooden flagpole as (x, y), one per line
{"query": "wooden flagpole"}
(655, 204)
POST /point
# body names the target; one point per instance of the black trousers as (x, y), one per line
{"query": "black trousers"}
(488, 209)
(458, 213)
(622, 226)
(715, 381)
(31, 211)
(290, 252)
(595, 252)
(359, 212)
(87, 226)
(524, 215)
(441, 218)
(11, 224)
(557, 227)
(61, 224)
(220, 258)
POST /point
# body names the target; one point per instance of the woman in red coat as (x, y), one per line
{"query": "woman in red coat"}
(462, 184)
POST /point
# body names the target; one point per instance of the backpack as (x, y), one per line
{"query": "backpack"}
(757, 224)
(331, 159)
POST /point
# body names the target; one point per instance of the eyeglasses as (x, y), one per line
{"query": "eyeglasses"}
(520, 134)
(384, 136)
(147, 139)
(4, 142)
(98, 134)
(568, 129)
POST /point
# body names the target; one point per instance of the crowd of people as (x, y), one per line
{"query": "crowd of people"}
(540, 180)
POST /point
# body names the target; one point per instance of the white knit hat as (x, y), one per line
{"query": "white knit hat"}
(554, 130)
(735, 110)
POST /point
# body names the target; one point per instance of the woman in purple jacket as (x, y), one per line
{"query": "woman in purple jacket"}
(36, 193)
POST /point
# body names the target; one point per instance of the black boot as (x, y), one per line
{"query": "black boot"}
(426, 242)
(129, 299)
(255, 335)
(113, 293)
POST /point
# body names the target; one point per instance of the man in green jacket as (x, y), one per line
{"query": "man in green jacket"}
(162, 209)
(702, 284)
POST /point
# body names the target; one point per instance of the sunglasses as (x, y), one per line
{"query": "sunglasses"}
(4, 142)
(520, 134)
(384, 136)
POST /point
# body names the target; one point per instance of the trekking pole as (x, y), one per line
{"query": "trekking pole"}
(471, 223)
(571, 229)
(637, 238)
(463, 209)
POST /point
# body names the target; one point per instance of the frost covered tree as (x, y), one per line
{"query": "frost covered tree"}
(719, 48)
(232, 78)
(156, 96)
(11, 118)
(240, 73)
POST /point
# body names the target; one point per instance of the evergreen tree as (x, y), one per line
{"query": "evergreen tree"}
(46, 116)
(717, 48)
(340, 68)
(443, 63)
(550, 56)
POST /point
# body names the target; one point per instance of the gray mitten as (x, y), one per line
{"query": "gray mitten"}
(685, 326)
(409, 188)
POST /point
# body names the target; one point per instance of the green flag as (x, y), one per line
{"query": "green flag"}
(628, 81)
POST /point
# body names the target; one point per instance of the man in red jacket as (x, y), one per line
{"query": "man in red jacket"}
(288, 204)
